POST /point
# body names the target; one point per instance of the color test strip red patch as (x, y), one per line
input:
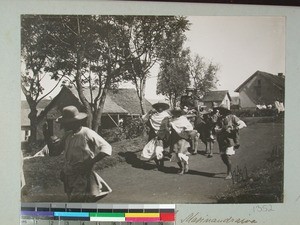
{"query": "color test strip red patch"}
(167, 217)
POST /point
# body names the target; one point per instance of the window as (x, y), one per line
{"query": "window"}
(258, 82)
(258, 88)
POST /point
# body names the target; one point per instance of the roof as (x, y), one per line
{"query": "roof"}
(25, 110)
(128, 99)
(120, 101)
(215, 96)
(275, 79)
(110, 106)
(42, 104)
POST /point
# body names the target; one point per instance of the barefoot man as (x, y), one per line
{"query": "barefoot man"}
(82, 148)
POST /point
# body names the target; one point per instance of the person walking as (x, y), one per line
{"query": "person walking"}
(82, 148)
(227, 137)
(157, 120)
(182, 134)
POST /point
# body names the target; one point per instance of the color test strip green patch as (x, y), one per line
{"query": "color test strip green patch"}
(107, 214)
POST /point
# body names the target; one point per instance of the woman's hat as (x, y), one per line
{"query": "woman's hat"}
(177, 111)
(70, 114)
(161, 104)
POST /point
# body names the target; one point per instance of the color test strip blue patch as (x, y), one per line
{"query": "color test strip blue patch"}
(71, 214)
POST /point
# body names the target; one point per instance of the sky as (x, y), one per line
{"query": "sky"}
(239, 45)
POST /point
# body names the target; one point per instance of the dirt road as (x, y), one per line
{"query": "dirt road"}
(135, 183)
(205, 179)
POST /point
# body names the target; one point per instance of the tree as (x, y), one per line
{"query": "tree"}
(174, 77)
(89, 52)
(147, 41)
(34, 57)
(203, 75)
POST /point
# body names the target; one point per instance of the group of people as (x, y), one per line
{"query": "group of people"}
(172, 129)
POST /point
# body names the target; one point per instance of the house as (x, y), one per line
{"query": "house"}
(128, 100)
(25, 121)
(235, 102)
(261, 88)
(217, 97)
(118, 104)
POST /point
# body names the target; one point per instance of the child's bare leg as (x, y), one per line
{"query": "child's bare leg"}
(227, 162)
(194, 136)
(210, 154)
(206, 147)
(185, 167)
(181, 169)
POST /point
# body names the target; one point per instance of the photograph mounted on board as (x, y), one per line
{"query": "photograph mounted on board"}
(152, 109)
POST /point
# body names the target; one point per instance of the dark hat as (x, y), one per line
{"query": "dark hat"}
(190, 89)
(161, 104)
(206, 111)
(70, 114)
(223, 108)
(54, 139)
(177, 111)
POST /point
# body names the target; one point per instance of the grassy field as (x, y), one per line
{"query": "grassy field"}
(264, 184)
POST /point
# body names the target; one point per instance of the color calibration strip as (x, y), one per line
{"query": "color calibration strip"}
(42, 212)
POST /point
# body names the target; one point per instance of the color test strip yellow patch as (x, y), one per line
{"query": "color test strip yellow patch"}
(145, 215)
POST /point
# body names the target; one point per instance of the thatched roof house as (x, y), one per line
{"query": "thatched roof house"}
(128, 100)
(118, 104)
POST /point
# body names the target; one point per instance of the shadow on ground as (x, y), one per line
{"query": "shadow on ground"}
(132, 159)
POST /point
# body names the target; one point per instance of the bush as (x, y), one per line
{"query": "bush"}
(255, 112)
(133, 127)
(113, 134)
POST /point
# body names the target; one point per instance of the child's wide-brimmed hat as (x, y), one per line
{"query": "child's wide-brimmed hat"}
(177, 111)
(71, 114)
(161, 104)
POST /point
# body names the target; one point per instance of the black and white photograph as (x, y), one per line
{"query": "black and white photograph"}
(172, 109)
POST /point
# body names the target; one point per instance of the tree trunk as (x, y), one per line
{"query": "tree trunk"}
(98, 114)
(33, 121)
(174, 101)
(80, 90)
(141, 95)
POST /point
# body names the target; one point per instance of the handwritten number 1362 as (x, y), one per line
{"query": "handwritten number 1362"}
(263, 208)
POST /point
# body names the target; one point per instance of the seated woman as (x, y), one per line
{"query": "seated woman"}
(181, 133)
